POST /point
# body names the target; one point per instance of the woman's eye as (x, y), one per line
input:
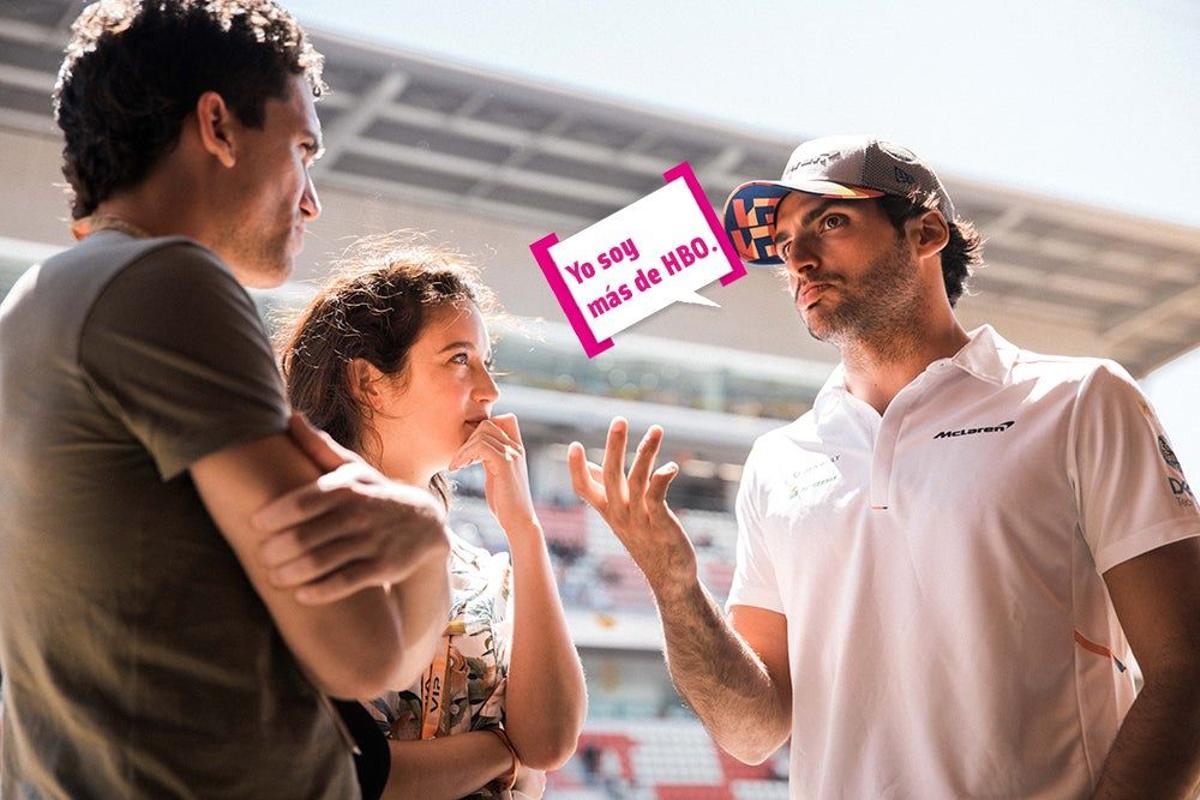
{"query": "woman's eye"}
(459, 358)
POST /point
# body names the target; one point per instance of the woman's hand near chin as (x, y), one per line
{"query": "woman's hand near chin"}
(545, 698)
(496, 443)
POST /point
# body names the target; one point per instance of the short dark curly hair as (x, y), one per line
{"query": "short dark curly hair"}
(961, 255)
(134, 70)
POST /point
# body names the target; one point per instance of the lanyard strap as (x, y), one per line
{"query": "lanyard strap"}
(434, 686)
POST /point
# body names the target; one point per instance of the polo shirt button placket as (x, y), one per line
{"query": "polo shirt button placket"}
(887, 440)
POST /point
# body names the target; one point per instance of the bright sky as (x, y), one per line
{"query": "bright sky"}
(1092, 101)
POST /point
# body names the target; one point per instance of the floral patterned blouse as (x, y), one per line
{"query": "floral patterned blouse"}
(463, 689)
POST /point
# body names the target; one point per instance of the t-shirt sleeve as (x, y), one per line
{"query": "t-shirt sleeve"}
(1130, 489)
(754, 582)
(174, 348)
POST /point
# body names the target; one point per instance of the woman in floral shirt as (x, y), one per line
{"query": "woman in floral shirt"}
(392, 358)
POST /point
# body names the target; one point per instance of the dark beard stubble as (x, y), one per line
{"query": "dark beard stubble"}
(883, 313)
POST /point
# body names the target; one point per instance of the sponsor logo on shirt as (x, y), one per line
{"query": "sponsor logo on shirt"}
(1000, 428)
(1168, 454)
(813, 476)
(1183, 492)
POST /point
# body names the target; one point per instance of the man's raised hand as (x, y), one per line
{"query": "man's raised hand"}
(635, 505)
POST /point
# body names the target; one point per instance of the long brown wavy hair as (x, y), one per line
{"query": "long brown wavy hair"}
(373, 306)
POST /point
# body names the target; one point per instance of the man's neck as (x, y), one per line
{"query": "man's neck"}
(161, 206)
(877, 371)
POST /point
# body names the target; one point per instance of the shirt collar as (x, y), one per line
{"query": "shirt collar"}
(833, 390)
(986, 355)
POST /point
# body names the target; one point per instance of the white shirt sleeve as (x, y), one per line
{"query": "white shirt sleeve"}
(754, 581)
(1131, 493)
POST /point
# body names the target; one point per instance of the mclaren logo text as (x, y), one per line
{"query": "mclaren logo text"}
(1000, 428)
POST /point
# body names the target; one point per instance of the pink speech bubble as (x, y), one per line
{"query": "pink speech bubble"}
(541, 253)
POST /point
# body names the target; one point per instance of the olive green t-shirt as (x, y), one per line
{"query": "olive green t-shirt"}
(138, 660)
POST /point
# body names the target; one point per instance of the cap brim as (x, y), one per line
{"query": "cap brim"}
(749, 213)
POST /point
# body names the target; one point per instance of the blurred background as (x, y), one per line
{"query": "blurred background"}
(1066, 131)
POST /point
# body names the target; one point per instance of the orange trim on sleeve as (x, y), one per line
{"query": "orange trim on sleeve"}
(1098, 649)
(1088, 644)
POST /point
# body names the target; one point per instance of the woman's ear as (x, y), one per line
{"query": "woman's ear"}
(364, 379)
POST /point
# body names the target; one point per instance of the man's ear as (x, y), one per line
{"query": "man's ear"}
(364, 379)
(218, 128)
(929, 233)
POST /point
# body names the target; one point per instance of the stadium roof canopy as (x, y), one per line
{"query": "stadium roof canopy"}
(412, 128)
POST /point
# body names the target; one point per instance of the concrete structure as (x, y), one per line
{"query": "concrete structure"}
(488, 165)
(491, 164)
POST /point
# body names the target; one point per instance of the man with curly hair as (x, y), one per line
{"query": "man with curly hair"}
(161, 633)
(944, 567)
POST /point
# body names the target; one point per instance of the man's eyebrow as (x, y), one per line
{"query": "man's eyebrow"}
(811, 216)
(818, 211)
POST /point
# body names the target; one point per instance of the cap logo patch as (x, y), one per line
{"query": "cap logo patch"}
(820, 159)
(903, 177)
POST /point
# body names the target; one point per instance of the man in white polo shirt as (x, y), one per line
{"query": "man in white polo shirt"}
(946, 567)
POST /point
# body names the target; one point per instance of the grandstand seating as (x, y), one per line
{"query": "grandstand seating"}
(593, 568)
(637, 755)
(661, 760)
